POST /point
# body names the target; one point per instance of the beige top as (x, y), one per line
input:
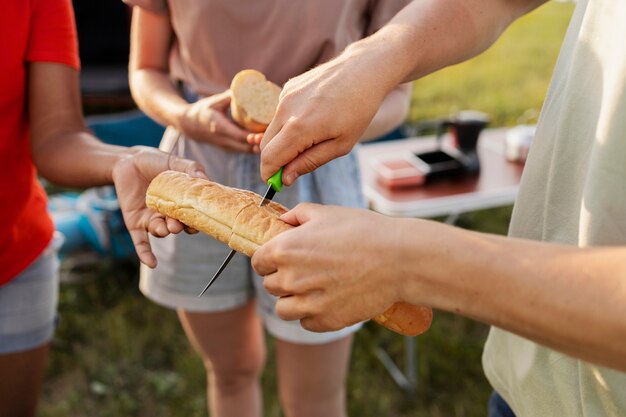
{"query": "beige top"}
(573, 192)
(280, 38)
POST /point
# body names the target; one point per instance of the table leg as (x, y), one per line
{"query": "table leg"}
(406, 380)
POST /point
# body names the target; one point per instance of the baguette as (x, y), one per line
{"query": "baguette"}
(254, 100)
(234, 217)
(230, 215)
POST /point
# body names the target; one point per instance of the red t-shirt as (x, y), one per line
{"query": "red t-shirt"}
(31, 31)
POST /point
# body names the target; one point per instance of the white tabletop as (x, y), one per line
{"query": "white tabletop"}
(495, 186)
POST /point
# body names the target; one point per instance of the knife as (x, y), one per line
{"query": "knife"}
(274, 185)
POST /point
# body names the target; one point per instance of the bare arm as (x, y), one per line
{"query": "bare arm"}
(157, 96)
(569, 299)
(311, 126)
(391, 113)
(65, 152)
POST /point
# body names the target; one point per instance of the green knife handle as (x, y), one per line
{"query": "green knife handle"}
(276, 180)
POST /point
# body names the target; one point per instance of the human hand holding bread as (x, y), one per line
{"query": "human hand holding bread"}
(330, 271)
(251, 100)
(234, 217)
(206, 120)
(131, 175)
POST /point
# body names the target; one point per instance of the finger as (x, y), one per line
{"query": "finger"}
(275, 290)
(157, 226)
(291, 308)
(301, 214)
(142, 247)
(283, 149)
(220, 101)
(192, 168)
(318, 325)
(312, 158)
(230, 144)
(254, 138)
(224, 126)
(275, 126)
(263, 261)
(191, 230)
(173, 225)
(274, 283)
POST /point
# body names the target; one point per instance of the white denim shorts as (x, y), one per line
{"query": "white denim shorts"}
(28, 303)
(187, 262)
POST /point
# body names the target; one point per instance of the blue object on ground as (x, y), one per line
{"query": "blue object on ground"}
(126, 129)
(91, 220)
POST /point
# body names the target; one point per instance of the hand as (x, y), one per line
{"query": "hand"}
(320, 116)
(206, 121)
(333, 270)
(132, 175)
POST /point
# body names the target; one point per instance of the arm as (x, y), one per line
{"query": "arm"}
(392, 113)
(157, 96)
(65, 152)
(569, 299)
(323, 112)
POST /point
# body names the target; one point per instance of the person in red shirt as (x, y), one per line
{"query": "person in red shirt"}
(42, 131)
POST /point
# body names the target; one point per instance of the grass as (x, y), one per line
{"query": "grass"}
(507, 81)
(117, 354)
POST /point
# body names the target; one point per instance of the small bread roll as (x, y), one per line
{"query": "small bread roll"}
(254, 100)
(234, 217)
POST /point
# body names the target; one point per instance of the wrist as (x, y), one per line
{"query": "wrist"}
(180, 118)
(400, 249)
(423, 253)
(121, 160)
(374, 54)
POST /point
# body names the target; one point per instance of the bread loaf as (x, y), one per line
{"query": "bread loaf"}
(230, 215)
(254, 100)
(234, 217)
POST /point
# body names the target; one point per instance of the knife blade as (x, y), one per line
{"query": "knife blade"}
(219, 270)
(275, 184)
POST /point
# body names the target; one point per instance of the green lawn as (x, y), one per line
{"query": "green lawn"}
(116, 354)
(507, 80)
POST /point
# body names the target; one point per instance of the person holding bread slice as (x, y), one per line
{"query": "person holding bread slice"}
(42, 132)
(186, 57)
(554, 291)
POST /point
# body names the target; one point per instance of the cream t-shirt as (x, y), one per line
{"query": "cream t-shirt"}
(573, 192)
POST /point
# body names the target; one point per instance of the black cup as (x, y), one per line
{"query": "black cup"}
(465, 128)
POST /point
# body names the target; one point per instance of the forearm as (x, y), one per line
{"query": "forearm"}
(62, 148)
(150, 84)
(429, 35)
(156, 95)
(572, 300)
(392, 112)
(75, 158)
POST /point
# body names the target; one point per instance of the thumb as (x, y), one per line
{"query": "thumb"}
(192, 168)
(227, 127)
(301, 214)
(220, 101)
